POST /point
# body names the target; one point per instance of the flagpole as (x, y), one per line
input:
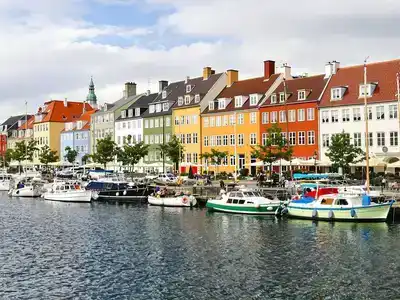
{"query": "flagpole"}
(398, 103)
(366, 125)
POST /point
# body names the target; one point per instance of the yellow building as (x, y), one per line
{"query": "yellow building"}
(186, 112)
(51, 119)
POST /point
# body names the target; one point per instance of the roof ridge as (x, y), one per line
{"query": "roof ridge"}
(372, 63)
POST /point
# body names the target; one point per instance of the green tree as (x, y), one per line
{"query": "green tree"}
(275, 147)
(342, 152)
(71, 154)
(215, 157)
(131, 154)
(8, 157)
(174, 150)
(86, 158)
(23, 150)
(46, 156)
(106, 150)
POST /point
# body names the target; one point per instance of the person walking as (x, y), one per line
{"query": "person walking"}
(383, 184)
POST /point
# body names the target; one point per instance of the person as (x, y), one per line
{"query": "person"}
(383, 183)
(222, 184)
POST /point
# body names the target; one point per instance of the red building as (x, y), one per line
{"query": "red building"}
(297, 116)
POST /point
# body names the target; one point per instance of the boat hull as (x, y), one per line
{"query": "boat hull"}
(26, 193)
(356, 214)
(183, 201)
(262, 209)
(81, 196)
(4, 185)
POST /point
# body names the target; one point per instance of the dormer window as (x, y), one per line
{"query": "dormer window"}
(187, 99)
(165, 106)
(79, 125)
(197, 98)
(221, 104)
(137, 111)
(367, 89)
(180, 101)
(152, 108)
(164, 94)
(273, 98)
(19, 123)
(130, 113)
(211, 105)
(281, 97)
(158, 107)
(301, 95)
(123, 114)
(253, 99)
(188, 88)
(238, 101)
(337, 93)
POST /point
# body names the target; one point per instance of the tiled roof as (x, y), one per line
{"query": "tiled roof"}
(382, 73)
(29, 124)
(313, 86)
(258, 85)
(85, 118)
(12, 122)
(55, 111)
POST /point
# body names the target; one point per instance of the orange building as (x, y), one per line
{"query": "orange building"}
(231, 121)
(297, 116)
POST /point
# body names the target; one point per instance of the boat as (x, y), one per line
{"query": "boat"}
(67, 192)
(339, 207)
(5, 182)
(118, 191)
(176, 201)
(245, 201)
(28, 189)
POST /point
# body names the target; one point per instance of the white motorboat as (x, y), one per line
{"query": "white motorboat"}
(67, 192)
(26, 190)
(5, 182)
(177, 201)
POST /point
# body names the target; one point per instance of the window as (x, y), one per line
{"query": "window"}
(183, 138)
(273, 98)
(282, 116)
(346, 115)
(176, 120)
(356, 114)
(380, 138)
(253, 118)
(281, 97)
(164, 94)
(205, 139)
(188, 88)
(240, 139)
(161, 122)
(205, 122)
(240, 119)
(302, 137)
(151, 139)
(292, 115)
(394, 138)
(265, 118)
(225, 121)
(194, 119)
(292, 138)
(187, 120)
(165, 106)
(369, 113)
(156, 123)
(218, 121)
(380, 112)
(211, 105)
(195, 158)
(325, 140)
(225, 140)
(187, 99)
(357, 139)
(325, 116)
(337, 94)
(188, 138)
(158, 107)
(232, 120)
(253, 139)
(274, 116)
(146, 123)
(311, 137)
(301, 95)
(238, 101)
(232, 160)
(335, 116)
(156, 139)
(264, 138)
(253, 99)
(219, 140)
(167, 121)
(195, 138)
(366, 89)
(232, 139)
(221, 104)
(310, 114)
(167, 137)
(300, 115)
(123, 114)
(151, 123)
(197, 99)
(212, 122)
(152, 109)
(393, 111)
(212, 141)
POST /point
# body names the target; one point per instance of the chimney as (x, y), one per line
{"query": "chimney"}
(286, 71)
(148, 92)
(65, 102)
(187, 79)
(206, 73)
(328, 70)
(269, 68)
(336, 66)
(162, 84)
(84, 107)
(233, 76)
(130, 89)
(212, 72)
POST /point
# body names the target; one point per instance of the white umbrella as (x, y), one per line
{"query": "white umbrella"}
(394, 165)
(92, 165)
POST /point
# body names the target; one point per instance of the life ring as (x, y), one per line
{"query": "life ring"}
(185, 200)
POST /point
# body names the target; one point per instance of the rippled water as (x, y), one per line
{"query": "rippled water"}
(54, 250)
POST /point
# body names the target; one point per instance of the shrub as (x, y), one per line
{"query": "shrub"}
(244, 172)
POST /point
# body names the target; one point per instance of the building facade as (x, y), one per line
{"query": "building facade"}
(9, 131)
(186, 114)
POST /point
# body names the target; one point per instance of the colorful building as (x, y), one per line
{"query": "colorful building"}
(230, 122)
(342, 107)
(76, 135)
(198, 92)
(293, 106)
(9, 131)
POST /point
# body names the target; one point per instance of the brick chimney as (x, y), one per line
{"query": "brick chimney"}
(233, 76)
(207, 71)
(130, 89)
(269, 68)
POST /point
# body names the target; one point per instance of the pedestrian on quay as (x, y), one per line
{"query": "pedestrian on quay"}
(383, 184)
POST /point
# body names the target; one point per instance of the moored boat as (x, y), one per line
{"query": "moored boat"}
(67, 192)
(27, 190)
(177, 201)
(245, 202)
(118, 191)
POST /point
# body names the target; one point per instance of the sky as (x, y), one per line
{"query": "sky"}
(50, 48)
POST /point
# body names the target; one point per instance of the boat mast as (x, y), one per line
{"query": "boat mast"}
(26, 130)
(287, 129)
(366, 124)
(236, 159)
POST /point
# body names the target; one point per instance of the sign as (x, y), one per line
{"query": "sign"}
(385, 149)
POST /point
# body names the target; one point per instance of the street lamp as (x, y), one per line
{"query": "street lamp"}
(315, 161)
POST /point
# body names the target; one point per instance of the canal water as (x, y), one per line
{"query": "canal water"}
(54, 250)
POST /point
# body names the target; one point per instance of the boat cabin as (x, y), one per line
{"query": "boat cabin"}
(243, 197)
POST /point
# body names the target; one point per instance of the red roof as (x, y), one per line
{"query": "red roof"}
(313, 87)
(85, 118)
(382, 73)
(29, 124)
(56, 111)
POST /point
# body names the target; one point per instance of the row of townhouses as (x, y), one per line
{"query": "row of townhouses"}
(220, 111)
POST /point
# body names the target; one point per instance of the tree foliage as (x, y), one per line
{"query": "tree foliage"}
(131, 154)
(47, 155)
(23, 150)
(215, 157)
(86, 158)
(342, 152)
(71, 154)
(174, 150)
(106, 150)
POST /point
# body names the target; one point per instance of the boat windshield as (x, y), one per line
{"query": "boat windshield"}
(252, 194)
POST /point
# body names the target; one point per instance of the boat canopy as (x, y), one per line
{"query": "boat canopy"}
(304, 200)
(300, 176)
